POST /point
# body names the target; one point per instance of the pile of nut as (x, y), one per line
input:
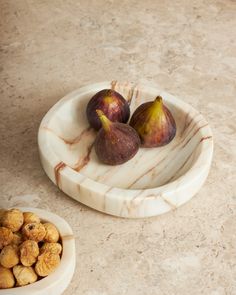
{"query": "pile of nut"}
(29, 248)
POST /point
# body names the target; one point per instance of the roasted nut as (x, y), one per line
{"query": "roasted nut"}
(12, 219)
(52, 234)
(6, 236)
(17, 239)
(24, 275)
(47, 263)
(9, 256)
(34, 231)
(6, 278)
(29, 251)
(54, 248)
(30, 217)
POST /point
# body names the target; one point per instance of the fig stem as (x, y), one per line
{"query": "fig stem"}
(157, 106)
(158, 100)
(106, 123)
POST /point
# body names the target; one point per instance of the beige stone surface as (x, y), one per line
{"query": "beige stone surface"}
(188, 48)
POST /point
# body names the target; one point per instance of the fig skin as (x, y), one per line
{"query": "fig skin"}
(154, 123)
(116, 143)
(113, 105)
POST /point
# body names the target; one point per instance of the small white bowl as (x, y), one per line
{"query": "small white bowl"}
(58, 281)
(153, 182)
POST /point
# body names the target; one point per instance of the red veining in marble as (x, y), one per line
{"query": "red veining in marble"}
(57, 170)
(84, 161)
(204, 138)
(72, 141)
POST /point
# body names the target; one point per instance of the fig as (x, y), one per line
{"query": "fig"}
(13, 219)
(116, 143)
(6, 236)
(47, 263)
(6, 278)
(34, 231)
(52, 234)
(9, 256)
(24, 275)
(154, 123)
(30, 217)
(113, 105)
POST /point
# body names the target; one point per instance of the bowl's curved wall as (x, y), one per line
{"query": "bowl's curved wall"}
(67, 155)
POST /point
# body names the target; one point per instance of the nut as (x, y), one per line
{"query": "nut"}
(29, 252)
(6, 278)
(30, 217)
(52, 234)
(13, 219)
(54, 248)
(6, 236)
(17, 239)
(9, 256)
(34, 231)
(47, 263)
(24, 275)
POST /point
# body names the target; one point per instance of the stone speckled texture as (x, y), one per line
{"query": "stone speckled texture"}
(49, 48)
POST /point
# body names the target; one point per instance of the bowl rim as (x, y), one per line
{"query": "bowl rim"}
(67, 263)
(205, 154)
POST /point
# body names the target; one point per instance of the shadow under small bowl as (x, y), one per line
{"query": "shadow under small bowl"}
(155, 181)
(56, 282)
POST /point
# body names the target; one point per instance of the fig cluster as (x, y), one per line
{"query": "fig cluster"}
(151, 125)
(29, 248)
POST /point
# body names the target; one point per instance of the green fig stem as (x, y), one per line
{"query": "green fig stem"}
(157, 106)
(106, 123)
(158, 101)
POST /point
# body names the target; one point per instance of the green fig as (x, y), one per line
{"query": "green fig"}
(116, 143)
(154, 123)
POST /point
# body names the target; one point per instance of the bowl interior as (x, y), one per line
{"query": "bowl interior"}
(71, 139)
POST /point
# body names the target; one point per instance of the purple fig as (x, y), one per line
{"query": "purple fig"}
(154, 123)
(113, 105)
(116, 143)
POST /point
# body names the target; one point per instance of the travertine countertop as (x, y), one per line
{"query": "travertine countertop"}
(188, 48)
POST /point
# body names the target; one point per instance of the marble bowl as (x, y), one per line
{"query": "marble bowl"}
(59, 280)
(153, 182)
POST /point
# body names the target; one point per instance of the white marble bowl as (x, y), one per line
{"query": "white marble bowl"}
(153, 182)
(57, 281)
